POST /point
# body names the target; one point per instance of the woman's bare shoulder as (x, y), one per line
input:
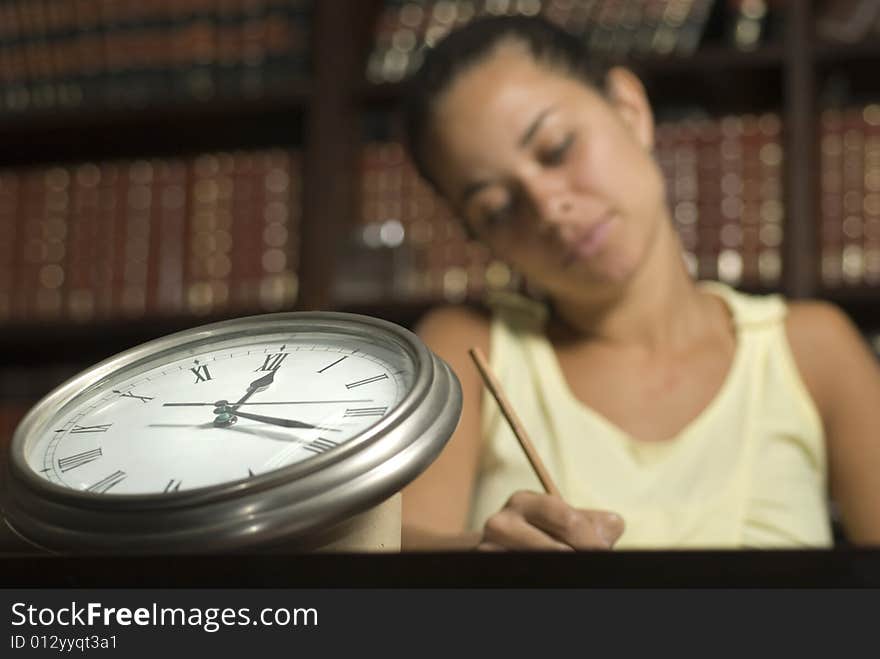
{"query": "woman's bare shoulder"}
(822, 338)
(810, 323)
(455, 323)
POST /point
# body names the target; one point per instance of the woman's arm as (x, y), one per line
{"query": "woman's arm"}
(436, 504)
(843, 376)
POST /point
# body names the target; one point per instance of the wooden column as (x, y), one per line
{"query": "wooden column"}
(801, 252)
(331, 131)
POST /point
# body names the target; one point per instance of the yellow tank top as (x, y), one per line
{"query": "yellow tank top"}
(748, 471)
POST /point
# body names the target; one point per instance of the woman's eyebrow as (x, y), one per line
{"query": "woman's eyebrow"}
(534, 126)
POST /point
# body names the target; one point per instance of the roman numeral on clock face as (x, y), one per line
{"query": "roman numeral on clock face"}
(365, 411)
(99, 428)
(320, 445)
(360, 383)
(78, 459)
(128, 394)
(106, 483)
(273, 362)
(202, 373)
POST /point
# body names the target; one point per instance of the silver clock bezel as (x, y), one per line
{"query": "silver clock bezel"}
(274, 508)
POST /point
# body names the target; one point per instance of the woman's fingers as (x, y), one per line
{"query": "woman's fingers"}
(509, 529)
(538, 521)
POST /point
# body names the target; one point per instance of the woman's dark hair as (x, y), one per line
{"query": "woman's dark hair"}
(469, 45)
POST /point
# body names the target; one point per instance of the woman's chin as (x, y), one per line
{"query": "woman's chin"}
(610, 270)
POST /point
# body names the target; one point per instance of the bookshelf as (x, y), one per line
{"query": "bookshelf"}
(315, 103)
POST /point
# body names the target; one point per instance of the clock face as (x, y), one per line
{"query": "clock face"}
(219, 410)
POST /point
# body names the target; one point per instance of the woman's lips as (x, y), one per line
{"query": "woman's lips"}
(588, 243)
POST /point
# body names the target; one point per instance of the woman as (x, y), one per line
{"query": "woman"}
(671, 413)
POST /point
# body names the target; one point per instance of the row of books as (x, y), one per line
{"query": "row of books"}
(725, 192)
(405, 28)
(213, 233)
(123, 53)
(408, 245)
(849, 217)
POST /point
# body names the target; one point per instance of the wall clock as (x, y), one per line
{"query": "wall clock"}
(266, 432)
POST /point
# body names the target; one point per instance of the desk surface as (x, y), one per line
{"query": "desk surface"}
(694, 569)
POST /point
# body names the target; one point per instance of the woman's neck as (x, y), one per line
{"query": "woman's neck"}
(658, 308)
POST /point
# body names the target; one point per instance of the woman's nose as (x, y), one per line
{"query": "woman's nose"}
(550, 202)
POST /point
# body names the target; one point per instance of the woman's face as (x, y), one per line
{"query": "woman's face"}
(556, 178)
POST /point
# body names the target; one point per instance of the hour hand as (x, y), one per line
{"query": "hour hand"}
(257, 385)
(285, 423)
(262, 382)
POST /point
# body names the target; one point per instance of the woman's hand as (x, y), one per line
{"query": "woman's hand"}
(541, 522)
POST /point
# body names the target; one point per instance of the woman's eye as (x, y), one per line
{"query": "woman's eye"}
(497, 216)
(556, 155)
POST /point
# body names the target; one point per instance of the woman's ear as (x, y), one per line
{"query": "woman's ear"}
(627, 95)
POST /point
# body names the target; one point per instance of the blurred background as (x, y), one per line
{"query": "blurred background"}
(166, 163)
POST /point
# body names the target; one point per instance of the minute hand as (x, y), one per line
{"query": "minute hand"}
(276, 421)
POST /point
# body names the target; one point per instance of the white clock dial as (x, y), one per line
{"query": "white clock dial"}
(227, 411)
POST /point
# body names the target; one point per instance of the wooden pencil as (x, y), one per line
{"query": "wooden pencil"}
(494, 386)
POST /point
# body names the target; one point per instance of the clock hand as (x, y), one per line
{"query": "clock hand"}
(276, 421)
(277, 402)
(260, 384)
(226, 412)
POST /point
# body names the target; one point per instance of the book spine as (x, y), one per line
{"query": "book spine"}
(107, 242)
(82, 244)
(831, 203)
(9, 240)
(871, 115)
(278, 283)
(168, 238)
(734, 133)
(853, 196)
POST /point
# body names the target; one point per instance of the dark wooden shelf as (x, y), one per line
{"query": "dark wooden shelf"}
(841, 53)
(64, 341)
(172, 128)
(803, 568)
(715, 59)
